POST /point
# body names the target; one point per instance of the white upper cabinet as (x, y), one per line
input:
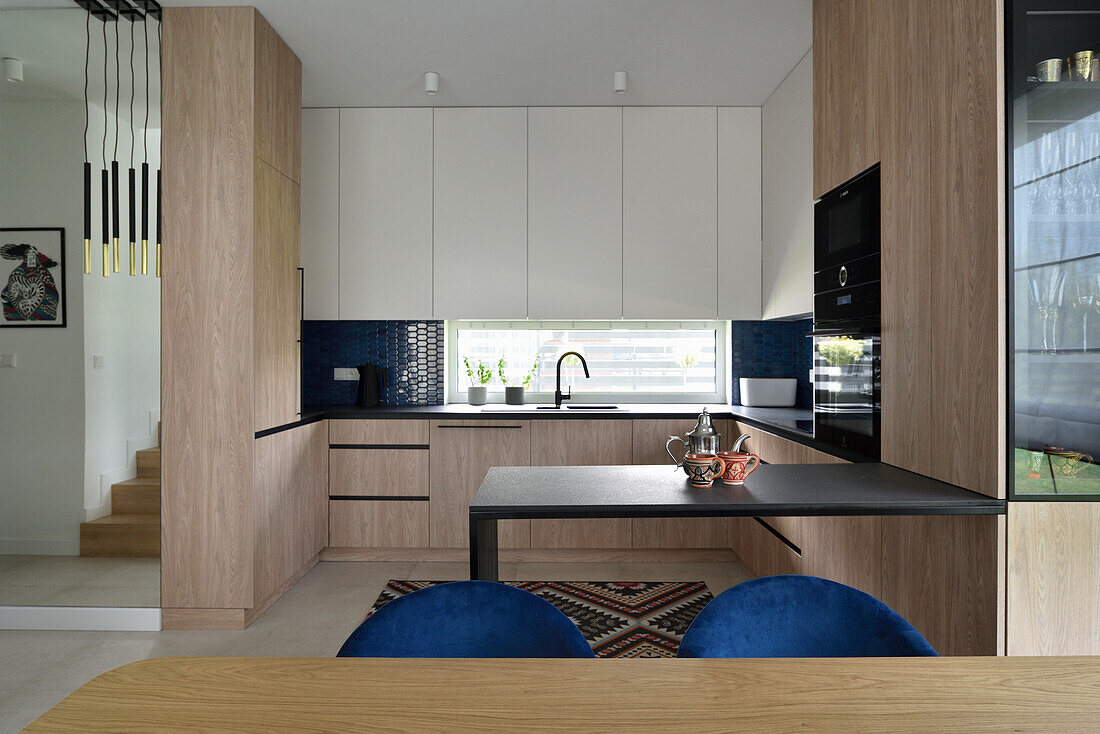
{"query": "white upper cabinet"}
(320, 255)
(575, 234)
(739, 213)
(788, 209)
(385, 213)
(480, 253)
(670, 212)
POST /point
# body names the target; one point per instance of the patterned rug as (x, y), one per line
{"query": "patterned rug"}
(620, 619)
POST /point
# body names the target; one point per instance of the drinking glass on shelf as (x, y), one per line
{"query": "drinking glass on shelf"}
(1086, 298)
(1047, 291)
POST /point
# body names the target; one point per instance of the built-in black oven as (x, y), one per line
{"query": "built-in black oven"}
(847, 336)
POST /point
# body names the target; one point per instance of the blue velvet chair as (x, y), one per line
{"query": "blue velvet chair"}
(799, 617)
(468, 619)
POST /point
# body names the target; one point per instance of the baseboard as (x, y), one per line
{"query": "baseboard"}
(179, 618)
(252, 614)
(174, 618)
(107, 619)
(40, 546)
(537, 555)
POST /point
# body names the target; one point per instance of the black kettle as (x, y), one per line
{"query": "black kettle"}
(371, 382)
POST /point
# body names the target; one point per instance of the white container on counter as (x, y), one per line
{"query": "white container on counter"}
(768, 392)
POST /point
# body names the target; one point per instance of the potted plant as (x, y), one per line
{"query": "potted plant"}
(479, 378)
(513, 394)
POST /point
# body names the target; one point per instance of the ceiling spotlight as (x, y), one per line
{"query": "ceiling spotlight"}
(620, 82)
(431, 82)
(13, 70)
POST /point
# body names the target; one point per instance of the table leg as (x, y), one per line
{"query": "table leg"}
(483, 549)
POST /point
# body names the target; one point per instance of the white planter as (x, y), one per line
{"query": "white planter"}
(476, 395)
(768, 392)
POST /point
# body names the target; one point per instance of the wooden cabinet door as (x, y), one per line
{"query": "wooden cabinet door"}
(462, 452)
(320, 258)
(670, 212)
(290, 504)
(581, 443)
(385, 213)
(575, 197)
(480, 213)
(649, 438)
(739, 240)
(276, 311)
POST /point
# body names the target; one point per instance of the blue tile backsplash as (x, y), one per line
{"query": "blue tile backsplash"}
(773, 349)
(411, 354)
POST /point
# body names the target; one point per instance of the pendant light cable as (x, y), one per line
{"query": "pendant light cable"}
(133, 83)
(104, 151)
(87, 51)
(145, 130)
(118, 84)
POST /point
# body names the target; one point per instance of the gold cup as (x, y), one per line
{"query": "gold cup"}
(1082, 66)
(1049, 70)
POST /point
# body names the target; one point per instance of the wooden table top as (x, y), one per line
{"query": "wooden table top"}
(631, 695)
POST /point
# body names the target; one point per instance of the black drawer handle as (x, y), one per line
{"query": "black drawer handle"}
(477, 427)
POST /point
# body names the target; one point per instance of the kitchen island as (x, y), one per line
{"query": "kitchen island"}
(570, 492)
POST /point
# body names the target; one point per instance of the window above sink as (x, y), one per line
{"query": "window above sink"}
(629, 361)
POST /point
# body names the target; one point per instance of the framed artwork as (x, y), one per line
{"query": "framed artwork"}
(32, 276)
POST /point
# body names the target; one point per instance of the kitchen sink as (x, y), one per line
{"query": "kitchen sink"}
(533, 408)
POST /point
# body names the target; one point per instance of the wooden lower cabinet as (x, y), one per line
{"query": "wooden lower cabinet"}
(389, 472)
(378, 524)
(1053, 589)
(462, 451)
(649, 438)
(759, 550)
(581, 443)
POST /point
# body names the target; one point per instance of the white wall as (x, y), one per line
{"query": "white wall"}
(67, 430)
(787, 189)
(121, 323)
(42, 399)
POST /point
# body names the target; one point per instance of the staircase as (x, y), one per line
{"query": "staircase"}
(132, 530)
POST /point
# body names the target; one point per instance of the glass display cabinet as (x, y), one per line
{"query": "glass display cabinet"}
(1052, 74)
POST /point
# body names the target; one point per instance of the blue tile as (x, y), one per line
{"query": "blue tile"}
(772, 349)
(409, 352)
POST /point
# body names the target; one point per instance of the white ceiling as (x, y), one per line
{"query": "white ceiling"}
(51, 45)
(510, 52)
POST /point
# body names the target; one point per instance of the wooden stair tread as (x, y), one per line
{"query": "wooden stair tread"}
(139, 482)
(125, 520)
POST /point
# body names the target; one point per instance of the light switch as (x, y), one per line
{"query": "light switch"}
(97, 361)
(345, 373)
(7, 360)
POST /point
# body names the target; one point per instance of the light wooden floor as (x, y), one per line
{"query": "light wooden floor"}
(312, 619)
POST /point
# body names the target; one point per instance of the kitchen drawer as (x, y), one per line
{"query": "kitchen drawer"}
(378, 524)
(378, 432)
(378, 472)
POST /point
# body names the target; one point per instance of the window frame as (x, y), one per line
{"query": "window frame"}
(455, 391)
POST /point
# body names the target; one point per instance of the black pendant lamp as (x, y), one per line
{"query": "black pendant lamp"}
(114, 11)
(87, 163)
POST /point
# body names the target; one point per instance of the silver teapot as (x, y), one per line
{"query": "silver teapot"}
(703, 439)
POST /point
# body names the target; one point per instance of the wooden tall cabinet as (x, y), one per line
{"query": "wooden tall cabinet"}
(241, 516)
(897, 82)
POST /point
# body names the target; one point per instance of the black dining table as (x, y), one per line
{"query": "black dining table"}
(660, 491)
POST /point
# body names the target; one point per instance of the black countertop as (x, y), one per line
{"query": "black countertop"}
(795, 424)
(770, 491)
